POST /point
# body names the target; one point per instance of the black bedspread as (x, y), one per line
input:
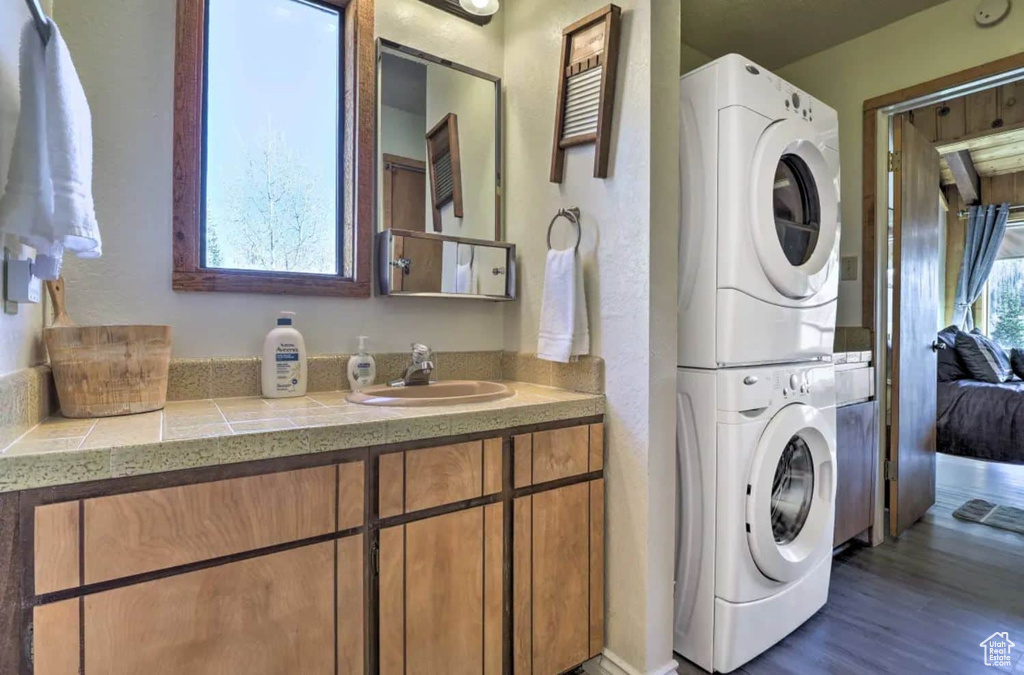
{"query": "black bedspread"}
(978, 419)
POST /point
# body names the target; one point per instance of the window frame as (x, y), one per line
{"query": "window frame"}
(356, 184)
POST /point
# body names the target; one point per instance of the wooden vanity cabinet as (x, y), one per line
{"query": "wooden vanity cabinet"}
(476, 556)
(441, 594)
(558, 573)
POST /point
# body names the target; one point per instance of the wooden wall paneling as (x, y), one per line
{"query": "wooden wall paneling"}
(522, 586)
(856, 452)
(56, 537)
(561, 589)
(11, 619)
(443, 475)
(154, 529)
(262, 616)
(351, 622)
(951, 120)
(351, 494)
(492, 465)
(391, 607)
(597, 446)
(1011, 103)
(444, 588)
(560, 453)
(391, 485)
(522, 457)
(596, 567)
(56, 647)
(1001, 188)
(925, 120)
(956, 237)
(981, 111)
(494, 582)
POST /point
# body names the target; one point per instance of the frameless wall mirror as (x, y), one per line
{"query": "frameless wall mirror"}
(433, 265)
(439, 145)
(439, 173)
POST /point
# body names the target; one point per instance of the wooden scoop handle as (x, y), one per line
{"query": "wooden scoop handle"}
(60, 312)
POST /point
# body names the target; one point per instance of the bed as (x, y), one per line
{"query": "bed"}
(978, 419)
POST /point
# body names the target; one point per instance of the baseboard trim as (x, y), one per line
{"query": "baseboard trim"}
(610, 663)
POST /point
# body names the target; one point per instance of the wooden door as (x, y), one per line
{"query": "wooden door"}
(405, 193)
(916, 226)
(441, 594)
(558, 579)
(270, 614)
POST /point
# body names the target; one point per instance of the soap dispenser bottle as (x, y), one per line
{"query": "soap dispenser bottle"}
(362, 368)
(284, 360)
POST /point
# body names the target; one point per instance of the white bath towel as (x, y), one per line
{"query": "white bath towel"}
(48, 202)
(564, 332)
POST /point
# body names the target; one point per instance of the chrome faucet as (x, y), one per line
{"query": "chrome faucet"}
(419, 371)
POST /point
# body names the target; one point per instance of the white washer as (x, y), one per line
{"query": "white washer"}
(756, 462)
(760, 223)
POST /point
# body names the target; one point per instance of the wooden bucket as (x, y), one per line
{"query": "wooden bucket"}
(103, 371)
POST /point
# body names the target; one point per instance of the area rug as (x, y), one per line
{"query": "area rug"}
(993, 515)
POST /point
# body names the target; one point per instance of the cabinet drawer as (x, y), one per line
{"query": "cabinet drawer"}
(155, 529)
(421, 479)
(559, 453)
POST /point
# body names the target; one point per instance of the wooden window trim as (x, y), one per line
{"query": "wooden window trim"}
(359, 96)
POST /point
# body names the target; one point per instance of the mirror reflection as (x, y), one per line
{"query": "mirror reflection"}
(420, 263)
(439, 151)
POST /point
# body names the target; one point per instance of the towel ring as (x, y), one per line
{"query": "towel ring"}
(573, 216)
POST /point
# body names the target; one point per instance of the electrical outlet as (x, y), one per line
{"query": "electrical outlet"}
(10, 307)
(848, 268)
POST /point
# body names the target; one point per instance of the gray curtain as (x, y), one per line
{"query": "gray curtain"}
(986, 226)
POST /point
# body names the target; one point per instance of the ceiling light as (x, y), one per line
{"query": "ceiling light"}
(480, 7)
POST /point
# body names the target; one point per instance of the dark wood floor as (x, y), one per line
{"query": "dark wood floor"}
(922, 603)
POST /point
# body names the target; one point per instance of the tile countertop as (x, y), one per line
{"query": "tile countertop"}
(191, 434)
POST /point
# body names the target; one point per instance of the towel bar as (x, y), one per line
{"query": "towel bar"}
(573, 216)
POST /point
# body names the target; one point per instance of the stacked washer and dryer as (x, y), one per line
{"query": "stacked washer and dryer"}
(758, 286)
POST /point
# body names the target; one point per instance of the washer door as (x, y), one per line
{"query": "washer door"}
(790, 493)
(795, 210)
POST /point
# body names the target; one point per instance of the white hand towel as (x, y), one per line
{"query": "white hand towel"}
(564, 332)
(48, 201)
(465, 279)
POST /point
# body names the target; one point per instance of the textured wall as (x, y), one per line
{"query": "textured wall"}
(20, 343)
(125, 56)
(923, 46)
(630, 292)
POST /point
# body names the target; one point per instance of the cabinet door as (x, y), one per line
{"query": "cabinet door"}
(558, 578)
(267, 615)
(441, 594)
(856, 449)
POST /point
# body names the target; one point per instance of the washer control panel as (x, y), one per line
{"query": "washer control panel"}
(762, 388)
(791, 100)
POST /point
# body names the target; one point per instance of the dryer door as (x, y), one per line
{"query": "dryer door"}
(795, 204)
(790, 493)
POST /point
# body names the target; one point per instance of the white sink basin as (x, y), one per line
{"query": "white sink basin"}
(451, 392)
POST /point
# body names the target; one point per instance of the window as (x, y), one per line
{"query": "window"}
(1006, 302)
(273, 129)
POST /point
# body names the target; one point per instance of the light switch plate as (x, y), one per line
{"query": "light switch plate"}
(9, 306)
(848, 268)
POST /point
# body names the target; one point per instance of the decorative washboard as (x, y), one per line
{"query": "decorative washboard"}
(586, 88)
(444, 162)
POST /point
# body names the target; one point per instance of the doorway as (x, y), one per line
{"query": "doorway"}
(923, 147)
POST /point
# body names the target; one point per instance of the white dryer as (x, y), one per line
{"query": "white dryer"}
(760, 222)
(756, 462)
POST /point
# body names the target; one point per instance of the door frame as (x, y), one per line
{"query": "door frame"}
(876, 122)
